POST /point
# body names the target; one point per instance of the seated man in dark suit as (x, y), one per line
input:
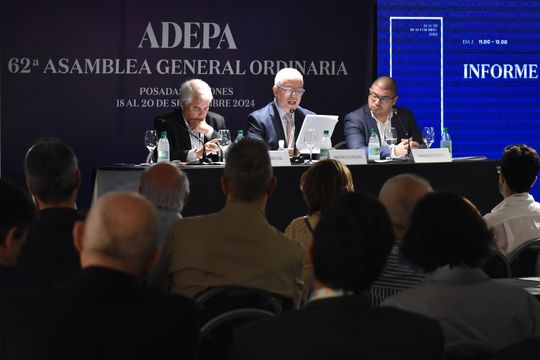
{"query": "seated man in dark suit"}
(191, 125)
(103, 312)
(16, 214)
(282, 118)
(379, 113)
(53, 178)
(349, 250)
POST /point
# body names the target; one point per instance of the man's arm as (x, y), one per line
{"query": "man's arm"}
(354, 131)
(255, 128)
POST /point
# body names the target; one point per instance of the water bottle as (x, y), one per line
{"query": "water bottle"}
(163, 147)
(446, 142)
(326, 144)
(239, 136)
(374, 146)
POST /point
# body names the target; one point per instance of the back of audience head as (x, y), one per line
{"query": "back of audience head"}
(165, 185)
(52, 173)
(351, 243)
(399, 195)
(519, 166)
(248, 171)
(324, 182)
(446, 230)
(120, 232)
(16, 214)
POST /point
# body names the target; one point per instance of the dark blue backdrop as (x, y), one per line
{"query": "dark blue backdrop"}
(65, 70)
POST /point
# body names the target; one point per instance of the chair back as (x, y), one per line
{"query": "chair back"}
(496, 265)
(225, 308)
(523, 259)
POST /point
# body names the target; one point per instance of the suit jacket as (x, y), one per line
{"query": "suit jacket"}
(49, 248)
(358, 124)
(266, 125)
(178, 134)
(340, 328)
(238, 248)
(100, 314)
(11, 279)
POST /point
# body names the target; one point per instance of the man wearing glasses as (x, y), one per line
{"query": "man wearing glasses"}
(380, 113)
(282, 118)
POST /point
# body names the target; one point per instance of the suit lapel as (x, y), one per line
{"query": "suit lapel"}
(184, 135)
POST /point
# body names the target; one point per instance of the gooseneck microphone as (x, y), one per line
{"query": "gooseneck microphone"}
(395, 113)
(291, 111)
(204, 159)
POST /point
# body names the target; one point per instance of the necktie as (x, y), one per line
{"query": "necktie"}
(290, 130)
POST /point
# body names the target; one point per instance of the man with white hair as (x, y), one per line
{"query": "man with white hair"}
(167, 188)
(104, 311)
(191, 125)
(282, 118)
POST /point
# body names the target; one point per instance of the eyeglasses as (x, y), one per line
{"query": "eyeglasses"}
(290, 91)
(383, 99)
(498, 168)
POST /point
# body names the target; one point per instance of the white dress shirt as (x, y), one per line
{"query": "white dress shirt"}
(515, 220)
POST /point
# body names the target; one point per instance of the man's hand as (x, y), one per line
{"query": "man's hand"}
(200, 126)
(211, 148)
(402, 148)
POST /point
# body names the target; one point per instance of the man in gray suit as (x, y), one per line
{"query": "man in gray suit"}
(235, 246)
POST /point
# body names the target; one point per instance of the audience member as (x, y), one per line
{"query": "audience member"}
(167, 188)
(399, 195)
(516, 219)
(450, 240)
(282, 118)
(103, 312)
(191, 125)
(235, 246)
(380, 113)
(16, 214)
(349, 251)
(321, 185)
(53, 178)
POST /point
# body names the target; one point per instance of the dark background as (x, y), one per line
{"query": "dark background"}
(81, 109)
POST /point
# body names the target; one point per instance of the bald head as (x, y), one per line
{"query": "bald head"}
(386, 83)
(121, 232)
(165, 185)
(399, 195)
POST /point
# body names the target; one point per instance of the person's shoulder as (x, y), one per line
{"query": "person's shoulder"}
(306, 111)
(215, 116)
(261, 112)
(357, 113)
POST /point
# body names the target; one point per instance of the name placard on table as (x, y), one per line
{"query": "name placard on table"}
(349, 156)
(279, 157)
(436, 155)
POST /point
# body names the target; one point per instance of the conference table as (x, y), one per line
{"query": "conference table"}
(476, 180)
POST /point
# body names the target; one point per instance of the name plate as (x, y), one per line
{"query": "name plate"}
(431, 155)
(279, 157)
(349, 156)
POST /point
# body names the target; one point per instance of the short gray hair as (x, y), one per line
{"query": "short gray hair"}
(195, 88)
(287, 74)
(248, 170)
(168, 196)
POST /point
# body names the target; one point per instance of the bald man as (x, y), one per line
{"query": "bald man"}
(381, 113)
(167, 187)
(103, 312)
(399, 196)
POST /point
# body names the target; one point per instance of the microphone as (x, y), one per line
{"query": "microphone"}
(204, 159)
(395, 113)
